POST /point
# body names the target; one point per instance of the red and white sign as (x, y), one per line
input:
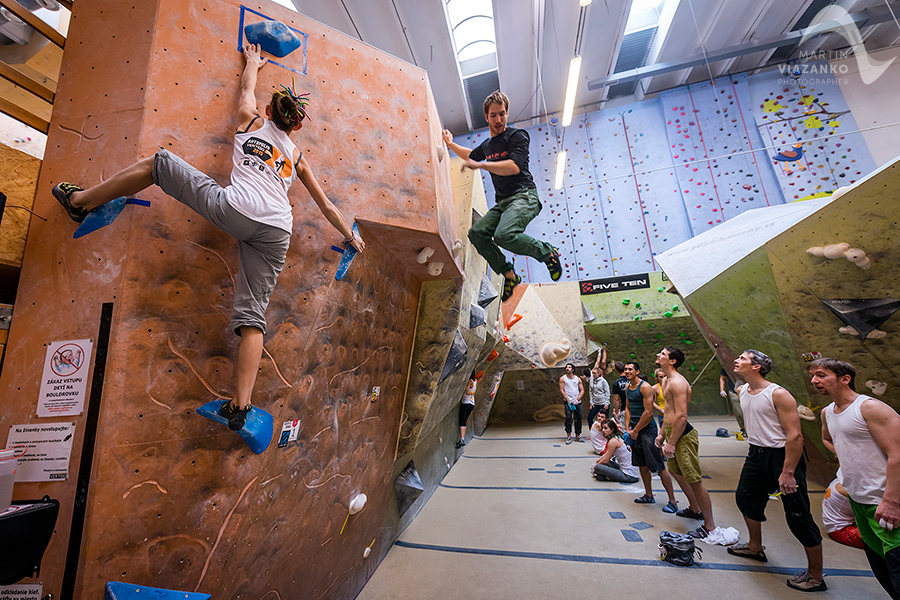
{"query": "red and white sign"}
(64, 381)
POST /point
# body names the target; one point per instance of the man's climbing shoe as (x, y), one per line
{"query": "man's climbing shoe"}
(508, 286)
(236, 416)
(554, 266)
(62, 192)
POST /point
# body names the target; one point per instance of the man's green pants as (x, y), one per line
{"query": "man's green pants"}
(504, 227)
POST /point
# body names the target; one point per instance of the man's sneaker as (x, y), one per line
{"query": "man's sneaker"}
(803, 582)
(508, 286)
(701, 533)
(236, 417)
(62, 192)
(554, 266)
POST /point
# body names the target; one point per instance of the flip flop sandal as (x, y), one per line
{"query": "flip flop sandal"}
(62, 191)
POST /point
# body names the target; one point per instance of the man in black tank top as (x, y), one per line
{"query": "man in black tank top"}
(642, 429)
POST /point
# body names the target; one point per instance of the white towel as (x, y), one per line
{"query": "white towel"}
(723, 536)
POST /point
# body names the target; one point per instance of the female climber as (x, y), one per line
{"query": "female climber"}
(254, 209)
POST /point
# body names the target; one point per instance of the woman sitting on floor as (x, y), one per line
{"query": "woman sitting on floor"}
(598, 440)
(615, 463)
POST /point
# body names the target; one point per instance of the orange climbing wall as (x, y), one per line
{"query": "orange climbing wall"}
(176, 501)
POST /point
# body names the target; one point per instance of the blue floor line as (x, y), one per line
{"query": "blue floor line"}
(628, 561)
(556, 489)
(594, 456)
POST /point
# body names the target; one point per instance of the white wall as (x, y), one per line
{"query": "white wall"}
(876, 104)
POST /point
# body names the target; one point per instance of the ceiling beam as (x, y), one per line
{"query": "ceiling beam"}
(19, 78)
(862, 18)
(36, 23)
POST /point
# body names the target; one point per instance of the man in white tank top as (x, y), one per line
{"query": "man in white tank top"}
(774, 463)
(863, 433)
(572, 390)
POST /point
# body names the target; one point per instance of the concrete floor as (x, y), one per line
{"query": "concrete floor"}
(519, 516)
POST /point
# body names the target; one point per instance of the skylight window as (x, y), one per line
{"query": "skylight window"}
(644, 14)
(472, 25)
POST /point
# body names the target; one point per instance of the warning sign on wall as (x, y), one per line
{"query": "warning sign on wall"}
(31, 591)
(49, 449)
(64, 381)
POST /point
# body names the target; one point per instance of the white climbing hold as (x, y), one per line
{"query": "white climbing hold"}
(424, 255)
(553, 352)
(878, 387)
(435, 268)
(358, 503)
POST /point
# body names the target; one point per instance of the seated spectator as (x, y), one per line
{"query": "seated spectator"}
(615, 463)
(837, 516)
(598, 440)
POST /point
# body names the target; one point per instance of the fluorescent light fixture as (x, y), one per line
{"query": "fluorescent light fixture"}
(580, 2)
(560, 169)
(571, 88)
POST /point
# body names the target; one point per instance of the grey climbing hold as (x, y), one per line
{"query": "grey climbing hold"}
(487, 293)
(477, 316)
(456, 358)
(408, 487)
(586, 315)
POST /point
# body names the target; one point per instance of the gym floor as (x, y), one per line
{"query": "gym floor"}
(520, 516)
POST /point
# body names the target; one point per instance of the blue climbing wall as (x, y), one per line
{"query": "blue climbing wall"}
(643, 178)
(810, 110)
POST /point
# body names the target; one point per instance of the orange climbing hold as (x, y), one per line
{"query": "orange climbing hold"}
(494, 354)
(505, 339)
(515, 319)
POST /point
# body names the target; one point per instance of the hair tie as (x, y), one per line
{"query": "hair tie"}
(302, 100)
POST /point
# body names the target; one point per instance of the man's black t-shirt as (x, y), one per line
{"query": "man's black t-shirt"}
(618, 387)
(512, 144)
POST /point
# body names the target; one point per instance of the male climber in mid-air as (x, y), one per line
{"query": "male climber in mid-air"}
(254, 209)
(505, 157)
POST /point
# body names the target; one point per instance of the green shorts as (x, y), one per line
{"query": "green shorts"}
(874, 535)
(687, 456)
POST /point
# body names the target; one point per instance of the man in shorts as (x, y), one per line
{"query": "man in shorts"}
(862, 432)
(645, 454)
(774, 463)
(681, 444)
(254, 209)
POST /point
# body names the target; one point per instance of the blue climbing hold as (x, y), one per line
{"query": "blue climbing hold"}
(348, 253)
(274, 37)
(116, 590)
(257, 431)
(105, 214)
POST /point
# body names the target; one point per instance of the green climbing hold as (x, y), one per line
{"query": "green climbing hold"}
(625, 301)
(652, 325)
(637, 318)
(637, 304)
(631, 355)
(674, 307)
(659, 335)
(693, 367)
(667, 314)
(659, 289)
(640, 341)
(688, 342)
(683, 334)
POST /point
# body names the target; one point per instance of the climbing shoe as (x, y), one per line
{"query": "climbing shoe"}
(236, 417)
(62, 192)
(508, 286)
(554, 266)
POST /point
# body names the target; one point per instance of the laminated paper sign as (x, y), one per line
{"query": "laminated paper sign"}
(31, 591)
(49, 448)
(64, 382)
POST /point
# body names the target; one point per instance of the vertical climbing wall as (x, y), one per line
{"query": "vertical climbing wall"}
(642, 178)
(810, 111)
(175, 500)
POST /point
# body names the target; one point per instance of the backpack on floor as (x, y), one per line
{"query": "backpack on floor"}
(678, 548)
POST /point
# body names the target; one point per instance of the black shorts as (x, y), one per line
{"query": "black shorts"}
(464, 411)
(759, 478)
(644, 453)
